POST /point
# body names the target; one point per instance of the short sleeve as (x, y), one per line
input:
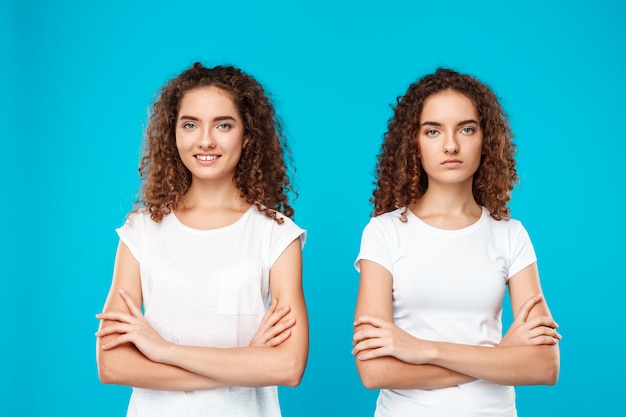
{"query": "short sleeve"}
(282, 236)
(131, 233)
(522, 251)
(375, 246)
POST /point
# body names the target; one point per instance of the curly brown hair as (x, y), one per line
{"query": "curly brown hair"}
(401, 179)
(260, 175)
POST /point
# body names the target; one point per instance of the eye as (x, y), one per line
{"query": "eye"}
(431, 132)
(223, 126)
(189, 126)
(468, 130)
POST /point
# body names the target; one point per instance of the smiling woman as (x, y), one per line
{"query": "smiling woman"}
(209, 134)
(212, 256)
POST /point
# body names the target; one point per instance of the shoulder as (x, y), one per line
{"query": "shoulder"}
(390, 218)
(390, 221)
(286, 228)
(387, 228)
(260, 217)
(140, 219)
(510, 230)
(143, 214)
(508, 224)
(138, 215)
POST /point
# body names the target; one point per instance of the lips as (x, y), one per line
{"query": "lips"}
(452, 162)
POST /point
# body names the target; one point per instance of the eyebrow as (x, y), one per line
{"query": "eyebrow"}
(461, 123)
(215, 119)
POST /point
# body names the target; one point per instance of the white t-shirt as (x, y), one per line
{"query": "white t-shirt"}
(206, 288)
(448, 285)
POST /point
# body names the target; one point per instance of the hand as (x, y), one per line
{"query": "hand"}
(133, 328)
(537, 331)
(383, 338)
(272, 331)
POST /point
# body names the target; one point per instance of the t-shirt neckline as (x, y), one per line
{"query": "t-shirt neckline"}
(463, 231)
(182, 225)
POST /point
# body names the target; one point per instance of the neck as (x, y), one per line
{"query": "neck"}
(447, 199)
(212, 194)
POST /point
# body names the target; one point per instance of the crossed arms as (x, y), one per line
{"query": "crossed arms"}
(130, 352)
(388, 357)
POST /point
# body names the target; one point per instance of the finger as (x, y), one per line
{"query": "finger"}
(525, 309)
(125, 338)
(542, 331)
(369, 333)
(545, 340)
(273, 306)
(284, 325)
(114, 328)
(367, 344)
(372, 354)
(115, 316)
(371, 320)
(134, 310)
(269, 312)
(546, 321)
(279, 328)
(279, 314)
(270, 320)
(275, 341)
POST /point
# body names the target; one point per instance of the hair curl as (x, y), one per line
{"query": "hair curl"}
(401, 179)
(260, 175)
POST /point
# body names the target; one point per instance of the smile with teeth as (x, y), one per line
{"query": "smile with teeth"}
(207, 157)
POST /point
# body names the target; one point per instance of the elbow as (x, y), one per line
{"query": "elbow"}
(370, 383)
(105, 376)
(548, 376)
(551, 375)
(292, 375)
(292, 380)
(547, 371)
(553, 366)
(109, 369)
(369, 377)
(105, 373)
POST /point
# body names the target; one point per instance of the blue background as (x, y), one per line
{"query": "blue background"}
(77, 79)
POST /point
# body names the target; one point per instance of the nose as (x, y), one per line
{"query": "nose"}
(207, 141)
(450, 144)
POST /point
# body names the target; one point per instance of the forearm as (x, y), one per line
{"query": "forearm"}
(125, 365)
(251, 366)
(391, 373)
(508, 365)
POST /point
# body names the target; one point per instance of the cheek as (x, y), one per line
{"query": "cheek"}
(178, 144)
(182, 141)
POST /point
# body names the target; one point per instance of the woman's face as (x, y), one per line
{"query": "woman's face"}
(209, 134)
(449, 138)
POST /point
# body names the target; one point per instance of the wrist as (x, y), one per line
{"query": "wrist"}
(167, 354)
(434, 353)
